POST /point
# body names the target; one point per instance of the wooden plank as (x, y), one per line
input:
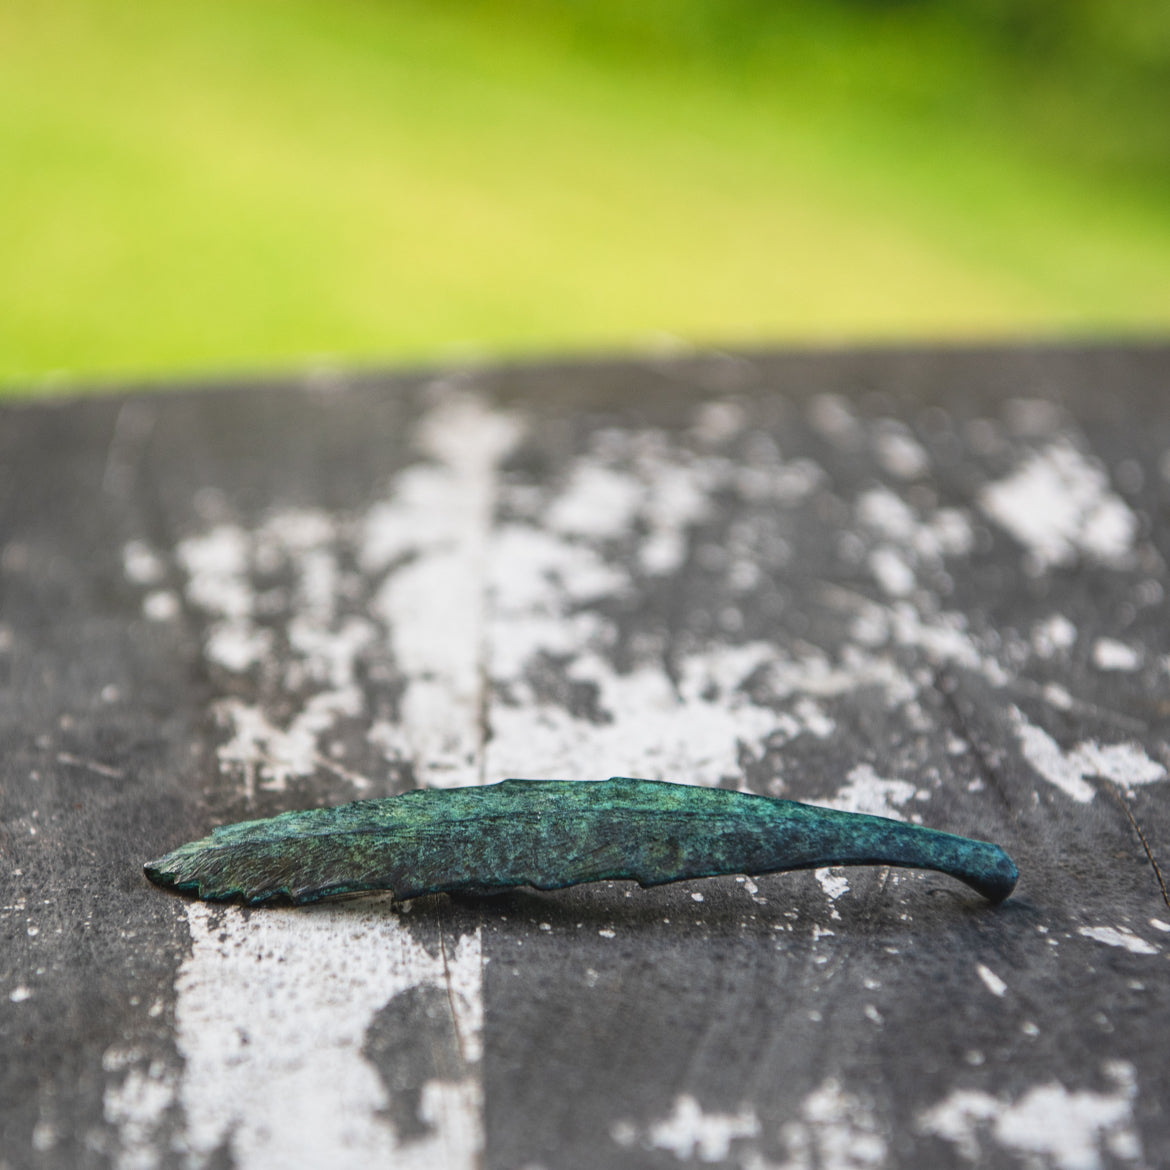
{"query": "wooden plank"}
(924, 583)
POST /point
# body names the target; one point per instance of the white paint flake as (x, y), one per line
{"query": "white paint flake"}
(19, 994)
(429, 538)
(161, 605)
(909, 540)
(1058, 504)
(268, 756)
(1054, 636)
(217, 571)
(943, 637)
(548, 588)
(237, 646)
(597, 501)
(814, 674)
(1056, 696)
(689, 1133)
(899, 452)
(834, 1130)
(678, 499)
(1158, 924)
(931, 536)
(991, 980)
(833, 882)
(141, 564)
(44, 1137)
(891, 572)
(1119, 936)
(691, 728)
(1126, 764)
(1050, 1125)
(1109, 654)
(135, 1106)
(638, 479)
(866, 792)
(648, 729)
(271, 1017)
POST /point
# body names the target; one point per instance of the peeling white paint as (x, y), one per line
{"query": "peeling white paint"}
(1058, 504)
(784, 484)
(141, 564)
(651, 730)
(237, 646)
(217, 571)
(554, 580)
(1158, 924)
(814, 674)
(865, 791)
(1126, 764)
(271, 1016)
(689, 1133)
(136, 1106)
(268, 756)
(1054, 1126)
(834, 1130)
(161, 605)
(44, 1137)
(434, 606)
(430, 537)
(691, 729)
(833, 882)
(891, 572)
(633, 478)
(597, 502)
(1119, 936)
(930, 536)
(678, 500)
(1054, 636)
(943, 637)
(899, 452)
(1109, 654)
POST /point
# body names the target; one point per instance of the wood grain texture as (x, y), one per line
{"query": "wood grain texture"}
(926, 584)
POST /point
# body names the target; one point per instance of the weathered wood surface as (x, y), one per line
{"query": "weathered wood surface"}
(926, 584)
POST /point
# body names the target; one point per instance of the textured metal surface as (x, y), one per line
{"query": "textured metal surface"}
(552, 834)
(921, 584)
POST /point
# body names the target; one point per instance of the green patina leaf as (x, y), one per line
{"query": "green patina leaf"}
(554, 833)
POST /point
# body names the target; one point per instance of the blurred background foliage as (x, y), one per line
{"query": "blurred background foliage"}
(242, 185)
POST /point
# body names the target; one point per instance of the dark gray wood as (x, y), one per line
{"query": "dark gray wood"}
(824, 516)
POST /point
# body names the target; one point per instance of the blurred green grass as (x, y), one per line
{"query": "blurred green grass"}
(216, 187)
